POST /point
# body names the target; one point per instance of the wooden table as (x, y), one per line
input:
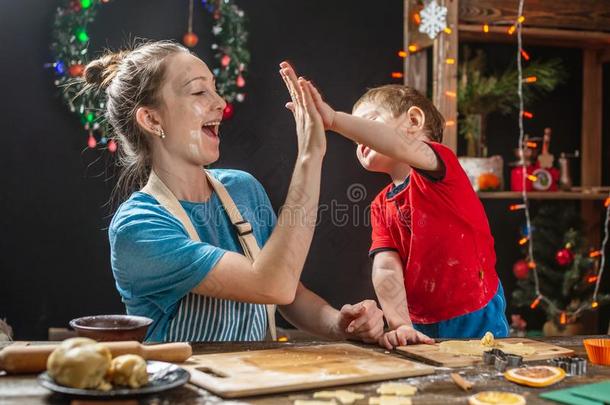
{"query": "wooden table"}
(434, 389)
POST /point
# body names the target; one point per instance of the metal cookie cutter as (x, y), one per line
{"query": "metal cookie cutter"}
(500, 360)
(571, 365)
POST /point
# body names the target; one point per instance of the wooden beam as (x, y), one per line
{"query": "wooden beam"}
(537, 36)
(605, 56)
(591, 161)
(411, 27)
(444, 81)
(589, 15)
(416, 63)
(591, 140)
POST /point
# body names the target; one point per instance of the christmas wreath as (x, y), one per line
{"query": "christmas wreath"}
(70, 51)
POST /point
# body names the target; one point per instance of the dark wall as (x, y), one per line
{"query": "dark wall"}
(54, 256)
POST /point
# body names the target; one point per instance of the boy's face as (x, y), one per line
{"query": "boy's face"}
(371, 160)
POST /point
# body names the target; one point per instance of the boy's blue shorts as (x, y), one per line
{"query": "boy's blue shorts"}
(490, 318)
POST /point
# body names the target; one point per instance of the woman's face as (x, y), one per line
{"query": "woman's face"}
(191, 110)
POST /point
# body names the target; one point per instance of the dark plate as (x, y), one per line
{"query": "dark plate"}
(162, 376)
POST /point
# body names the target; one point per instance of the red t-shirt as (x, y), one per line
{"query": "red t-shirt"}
(438, 226)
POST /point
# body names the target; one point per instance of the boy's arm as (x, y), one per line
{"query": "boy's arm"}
(309, 312)
(386, 139)
(389, 285)
(390, 288)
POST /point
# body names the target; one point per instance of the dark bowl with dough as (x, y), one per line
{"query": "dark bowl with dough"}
(109, 328)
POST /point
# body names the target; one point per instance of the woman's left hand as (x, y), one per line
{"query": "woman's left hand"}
(362, 321)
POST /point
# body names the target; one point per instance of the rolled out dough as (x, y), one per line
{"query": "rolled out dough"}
(477, 347)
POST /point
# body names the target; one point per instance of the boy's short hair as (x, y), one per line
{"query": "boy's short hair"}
(399, 98)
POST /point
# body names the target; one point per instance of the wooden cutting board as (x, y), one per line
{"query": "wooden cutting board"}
(240, 374)
(431, 353)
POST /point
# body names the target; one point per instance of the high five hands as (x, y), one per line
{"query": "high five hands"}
(310, 128)
(327, 113)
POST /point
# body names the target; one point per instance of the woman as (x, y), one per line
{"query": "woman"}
(175, 254)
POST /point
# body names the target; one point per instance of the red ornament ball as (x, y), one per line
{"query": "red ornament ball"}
(76, 70)
(190, 39)
(225, 60)
(75, 6)
(228, 112)
(564, 257)
(521, 269)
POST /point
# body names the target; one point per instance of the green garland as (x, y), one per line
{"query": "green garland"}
(70, 50)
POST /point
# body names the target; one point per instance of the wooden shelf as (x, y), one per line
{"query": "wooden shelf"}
(541, 195)
(536, 36)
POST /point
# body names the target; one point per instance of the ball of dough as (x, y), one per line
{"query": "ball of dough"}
(128, 369)
(79, 363)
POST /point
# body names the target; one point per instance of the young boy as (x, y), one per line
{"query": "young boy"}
(431, 240)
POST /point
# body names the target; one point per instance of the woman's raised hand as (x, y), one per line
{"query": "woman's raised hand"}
(310, 128)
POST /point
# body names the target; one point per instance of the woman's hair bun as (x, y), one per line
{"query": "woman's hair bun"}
(101, 71)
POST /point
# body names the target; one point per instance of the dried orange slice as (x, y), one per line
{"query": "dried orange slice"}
(496, 398)
(539, 376)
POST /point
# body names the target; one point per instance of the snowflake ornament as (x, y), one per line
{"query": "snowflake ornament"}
(433, 19)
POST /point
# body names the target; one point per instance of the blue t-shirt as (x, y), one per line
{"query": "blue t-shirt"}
(155, 264)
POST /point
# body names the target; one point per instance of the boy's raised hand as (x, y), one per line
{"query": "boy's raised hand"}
(402, 336)
(326, 111)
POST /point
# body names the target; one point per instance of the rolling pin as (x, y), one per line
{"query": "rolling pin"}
(20, 359)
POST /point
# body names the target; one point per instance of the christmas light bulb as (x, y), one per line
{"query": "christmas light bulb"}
(112, 146)
(485, 28)
(241, 82)
(91, 142)
(535, 303)
(525, 55)
(81, 35)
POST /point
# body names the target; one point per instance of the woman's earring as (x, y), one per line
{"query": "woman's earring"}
(161, 133)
